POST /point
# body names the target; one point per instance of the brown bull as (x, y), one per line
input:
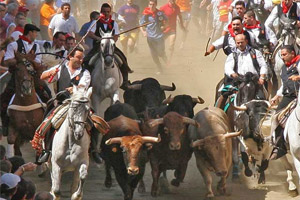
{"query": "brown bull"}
(125, 149)
(212, 146)
(174, 151)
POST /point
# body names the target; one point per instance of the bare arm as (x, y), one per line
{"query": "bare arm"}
(210, 50)
(50, 33)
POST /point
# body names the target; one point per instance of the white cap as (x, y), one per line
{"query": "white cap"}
(10, 180)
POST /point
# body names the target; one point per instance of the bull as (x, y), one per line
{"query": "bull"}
(147, 93)
(125, 149)
(174, 151)
(212, 146)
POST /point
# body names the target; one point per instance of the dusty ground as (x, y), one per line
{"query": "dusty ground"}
(195, 75)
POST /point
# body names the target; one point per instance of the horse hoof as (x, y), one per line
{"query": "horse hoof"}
(108, 183)
(235, 178)
(293, 193)
(154, 193)
(175, 182)
(141, 189)
(261, 180)
(248, 172)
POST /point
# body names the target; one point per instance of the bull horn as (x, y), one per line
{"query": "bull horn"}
(190, 121)
(116, 140)
(168, 88)
(197, 143)
(168, 100)
(156, 122)
(134, 87)
(238, 108)
(198, 100)
(233, 134)
(149, 139)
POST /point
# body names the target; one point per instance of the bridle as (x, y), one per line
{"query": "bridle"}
(72, 123)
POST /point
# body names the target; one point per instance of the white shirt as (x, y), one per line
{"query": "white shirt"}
(58, 23)
(51, 60)
(13, 47)
(93, 29)
(274, 15)
(84, 81)
(16, 35)
(267, 3)
(280, 90)
(245, 63)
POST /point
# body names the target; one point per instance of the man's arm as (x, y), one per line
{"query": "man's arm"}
(271, 18)
(50, 33)
(49, 73)
(218, 44)
(229, 65)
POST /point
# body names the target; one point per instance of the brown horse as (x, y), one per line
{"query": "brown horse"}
(25, 112)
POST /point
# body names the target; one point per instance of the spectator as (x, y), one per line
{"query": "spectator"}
(24, 10)
(46, 13)
(70, 43)
(2, 149)
(5, 166)
(21, 190)
(43, 196)
(3, 24)
(8, 184)
(17, 26)
(31, 189)
(88, 41)
(64, 22)
(12, 11)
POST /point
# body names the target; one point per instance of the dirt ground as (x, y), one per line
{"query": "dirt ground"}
(195, 75)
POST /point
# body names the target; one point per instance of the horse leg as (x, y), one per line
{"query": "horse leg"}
(245, 160)
(56, 178)
(108, 179)
(115, 97)
(289, 170)
(235, 159)
(81, 175)
(262, 168)
(11, 140)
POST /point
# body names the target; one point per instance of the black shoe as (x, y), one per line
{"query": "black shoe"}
(44, 157)
(96, 157)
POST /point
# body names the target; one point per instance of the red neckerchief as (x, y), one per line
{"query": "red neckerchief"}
(231, 31)
(285, 8)
(294, 60)
(20, 29)
(148, 11)
(22, 37)
(257, 25)
(106, 21)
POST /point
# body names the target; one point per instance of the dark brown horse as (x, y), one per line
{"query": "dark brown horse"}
(25, 112)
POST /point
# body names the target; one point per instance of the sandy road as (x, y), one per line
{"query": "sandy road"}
(195, 75)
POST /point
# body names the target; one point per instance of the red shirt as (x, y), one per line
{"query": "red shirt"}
(171, 13)
(224, 10)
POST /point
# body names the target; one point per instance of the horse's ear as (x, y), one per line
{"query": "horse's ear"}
(89, 92)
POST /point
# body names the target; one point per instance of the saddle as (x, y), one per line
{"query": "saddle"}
(284, 114)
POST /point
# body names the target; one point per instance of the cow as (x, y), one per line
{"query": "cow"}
(146, 94)
(254, 117)
(174, 151)
(212, 146)
(125, 149)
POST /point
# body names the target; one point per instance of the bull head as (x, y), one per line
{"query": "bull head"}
(186, 120)
(131, 148)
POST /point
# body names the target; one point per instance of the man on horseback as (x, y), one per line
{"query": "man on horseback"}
(68, 74)
(287, 11)
(288, 91)
(106, 24)
(243, 59)
(227, 42)
(26, 49)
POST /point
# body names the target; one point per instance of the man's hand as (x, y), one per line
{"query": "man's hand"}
(234, 75)
(206, 53)
(29, 166)
(274, 100)
(261, 81)
(70, 89)
(294, 78)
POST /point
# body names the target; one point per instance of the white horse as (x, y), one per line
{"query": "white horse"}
(71, 144)
(292, 135)
(106, 77)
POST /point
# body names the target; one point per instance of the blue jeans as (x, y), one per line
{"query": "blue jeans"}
(157, 49)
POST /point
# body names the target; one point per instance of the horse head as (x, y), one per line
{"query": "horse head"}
(79, 110)
(24, 77)
(107, 48)
(248, 88)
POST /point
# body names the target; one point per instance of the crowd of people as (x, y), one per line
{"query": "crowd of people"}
(236, 27)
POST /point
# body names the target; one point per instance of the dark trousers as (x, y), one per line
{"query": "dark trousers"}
(157, 49)
(284, 102)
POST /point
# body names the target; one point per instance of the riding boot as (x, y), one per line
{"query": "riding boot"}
(123, 66)
(44, 157)
(280, 149)
(221, 102)
(93, 149)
